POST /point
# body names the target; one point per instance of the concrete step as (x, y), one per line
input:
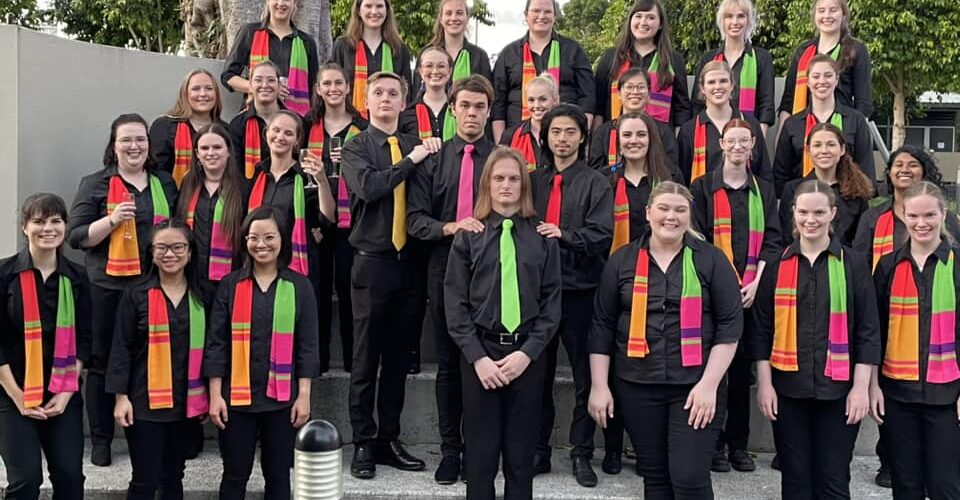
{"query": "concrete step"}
(203, 476)
(419, 420)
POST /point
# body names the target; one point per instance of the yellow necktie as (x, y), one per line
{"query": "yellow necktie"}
(399, 236)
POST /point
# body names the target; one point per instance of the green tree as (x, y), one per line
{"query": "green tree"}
(152, 25)
(582, 20)
(414, 19)
(21, 12)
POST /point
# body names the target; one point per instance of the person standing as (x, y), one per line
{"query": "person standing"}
(502, 291)
(376, 165)
(442, 200)
(576, 204)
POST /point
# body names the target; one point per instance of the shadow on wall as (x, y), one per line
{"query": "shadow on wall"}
(60, 98)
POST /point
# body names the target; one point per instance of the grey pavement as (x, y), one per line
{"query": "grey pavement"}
(203, 476)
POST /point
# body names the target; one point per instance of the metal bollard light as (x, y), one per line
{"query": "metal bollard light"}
(317, 464)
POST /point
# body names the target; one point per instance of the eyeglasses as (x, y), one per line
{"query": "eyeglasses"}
(268, 239)
(745, 143)
(432, 66)
(633, 87)
(176, 248)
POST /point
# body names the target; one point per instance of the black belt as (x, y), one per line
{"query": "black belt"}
(383, 254)
(504, 338)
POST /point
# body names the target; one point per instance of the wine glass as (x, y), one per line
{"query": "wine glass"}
(311, 180)
(336, 143)
(129, 225)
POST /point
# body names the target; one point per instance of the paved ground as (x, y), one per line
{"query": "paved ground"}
(203, 474)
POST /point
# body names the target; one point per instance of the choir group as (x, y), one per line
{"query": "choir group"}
(536, 203)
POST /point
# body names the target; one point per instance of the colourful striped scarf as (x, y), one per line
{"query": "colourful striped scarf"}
(616, 105)
(658, 107)
(123, 254)
(462, 67)
(522, 141)
(251, 147)
(298, 238)
(835, 119)
(64, 377)
(360, 70)
(613, 147)
(699, 166)
(315, 144)
(221, 250)
(723, 228)
(883, 236)
(182, 152)
(747, 102)
(784, 354)
(621, 215)
(902, 359)
(691, 311)
(803, 67)
(298, 81)
(281, 342)
(159, 364)
(425, 124)
(530, 72)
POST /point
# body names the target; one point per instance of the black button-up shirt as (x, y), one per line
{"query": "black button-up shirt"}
(703, 213)
(637, 196)
(217, 353)
(433, 189)
(845, 223)
(12, 348)
(600, 145)
(203, 228)
(239, 58)
(788, 161)
(345, 55)
(238, 135)
(371, 176)
(813, 322)
(507, 139)
(764, 111)
(479, 63)
(759, 158)
(278, 193)
(163, 132)
(127, 370)
(410, 125)
(90, 205)
(680, 99)
(576, 78)
(472, 286)
(586, 221)
(855, 88)
(863, 242)
(919, 391)
(722, 313)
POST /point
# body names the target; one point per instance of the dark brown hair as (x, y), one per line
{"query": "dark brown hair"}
(854, 184)
(43, 205)
(624, 45)
(658, 164)
(388, 30)
(110, 154)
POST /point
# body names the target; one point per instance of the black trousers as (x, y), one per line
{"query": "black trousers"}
(574, 328)
(321, 276)
(238, 446)
(343, 265)
(99, 403)
(501, 422)
(384, 312)
(734, 408)
(673, 458)
(60, 440)
(815, 445)
(926, 440)
(158, 456)
(449, 389)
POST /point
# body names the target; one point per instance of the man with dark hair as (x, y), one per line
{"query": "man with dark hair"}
(576, 203)
(376, 166)
(442, 198)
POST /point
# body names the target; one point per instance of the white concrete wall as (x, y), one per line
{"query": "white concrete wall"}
(57, 100)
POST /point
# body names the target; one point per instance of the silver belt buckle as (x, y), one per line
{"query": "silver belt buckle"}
(507, 339)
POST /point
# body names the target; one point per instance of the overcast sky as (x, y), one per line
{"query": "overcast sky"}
(508, 15)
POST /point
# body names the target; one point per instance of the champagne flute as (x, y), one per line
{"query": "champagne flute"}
(336, 143)
(311, 180)
(129, 225)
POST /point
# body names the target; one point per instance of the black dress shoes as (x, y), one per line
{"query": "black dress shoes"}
(100, 455)
(394, 455)
(363, 465)
(541, 464)
(583, 472)
(449, 470)
(612, 463)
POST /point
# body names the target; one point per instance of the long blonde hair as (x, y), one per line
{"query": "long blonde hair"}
(438, 34)
(388, 31)
(484, 198)
(182, 110)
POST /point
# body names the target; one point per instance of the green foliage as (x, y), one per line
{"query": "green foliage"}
(414, 19)
(152, 25)
(581, 21)
(20, 12)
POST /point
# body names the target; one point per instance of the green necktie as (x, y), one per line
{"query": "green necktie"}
(509, 288)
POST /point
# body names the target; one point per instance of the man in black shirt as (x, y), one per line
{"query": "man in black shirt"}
(442, 196)
(576, 203)
(376, 165)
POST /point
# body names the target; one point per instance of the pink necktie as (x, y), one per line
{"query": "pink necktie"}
(465, 188)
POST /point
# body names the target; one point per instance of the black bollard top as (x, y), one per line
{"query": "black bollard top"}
(318, 436)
